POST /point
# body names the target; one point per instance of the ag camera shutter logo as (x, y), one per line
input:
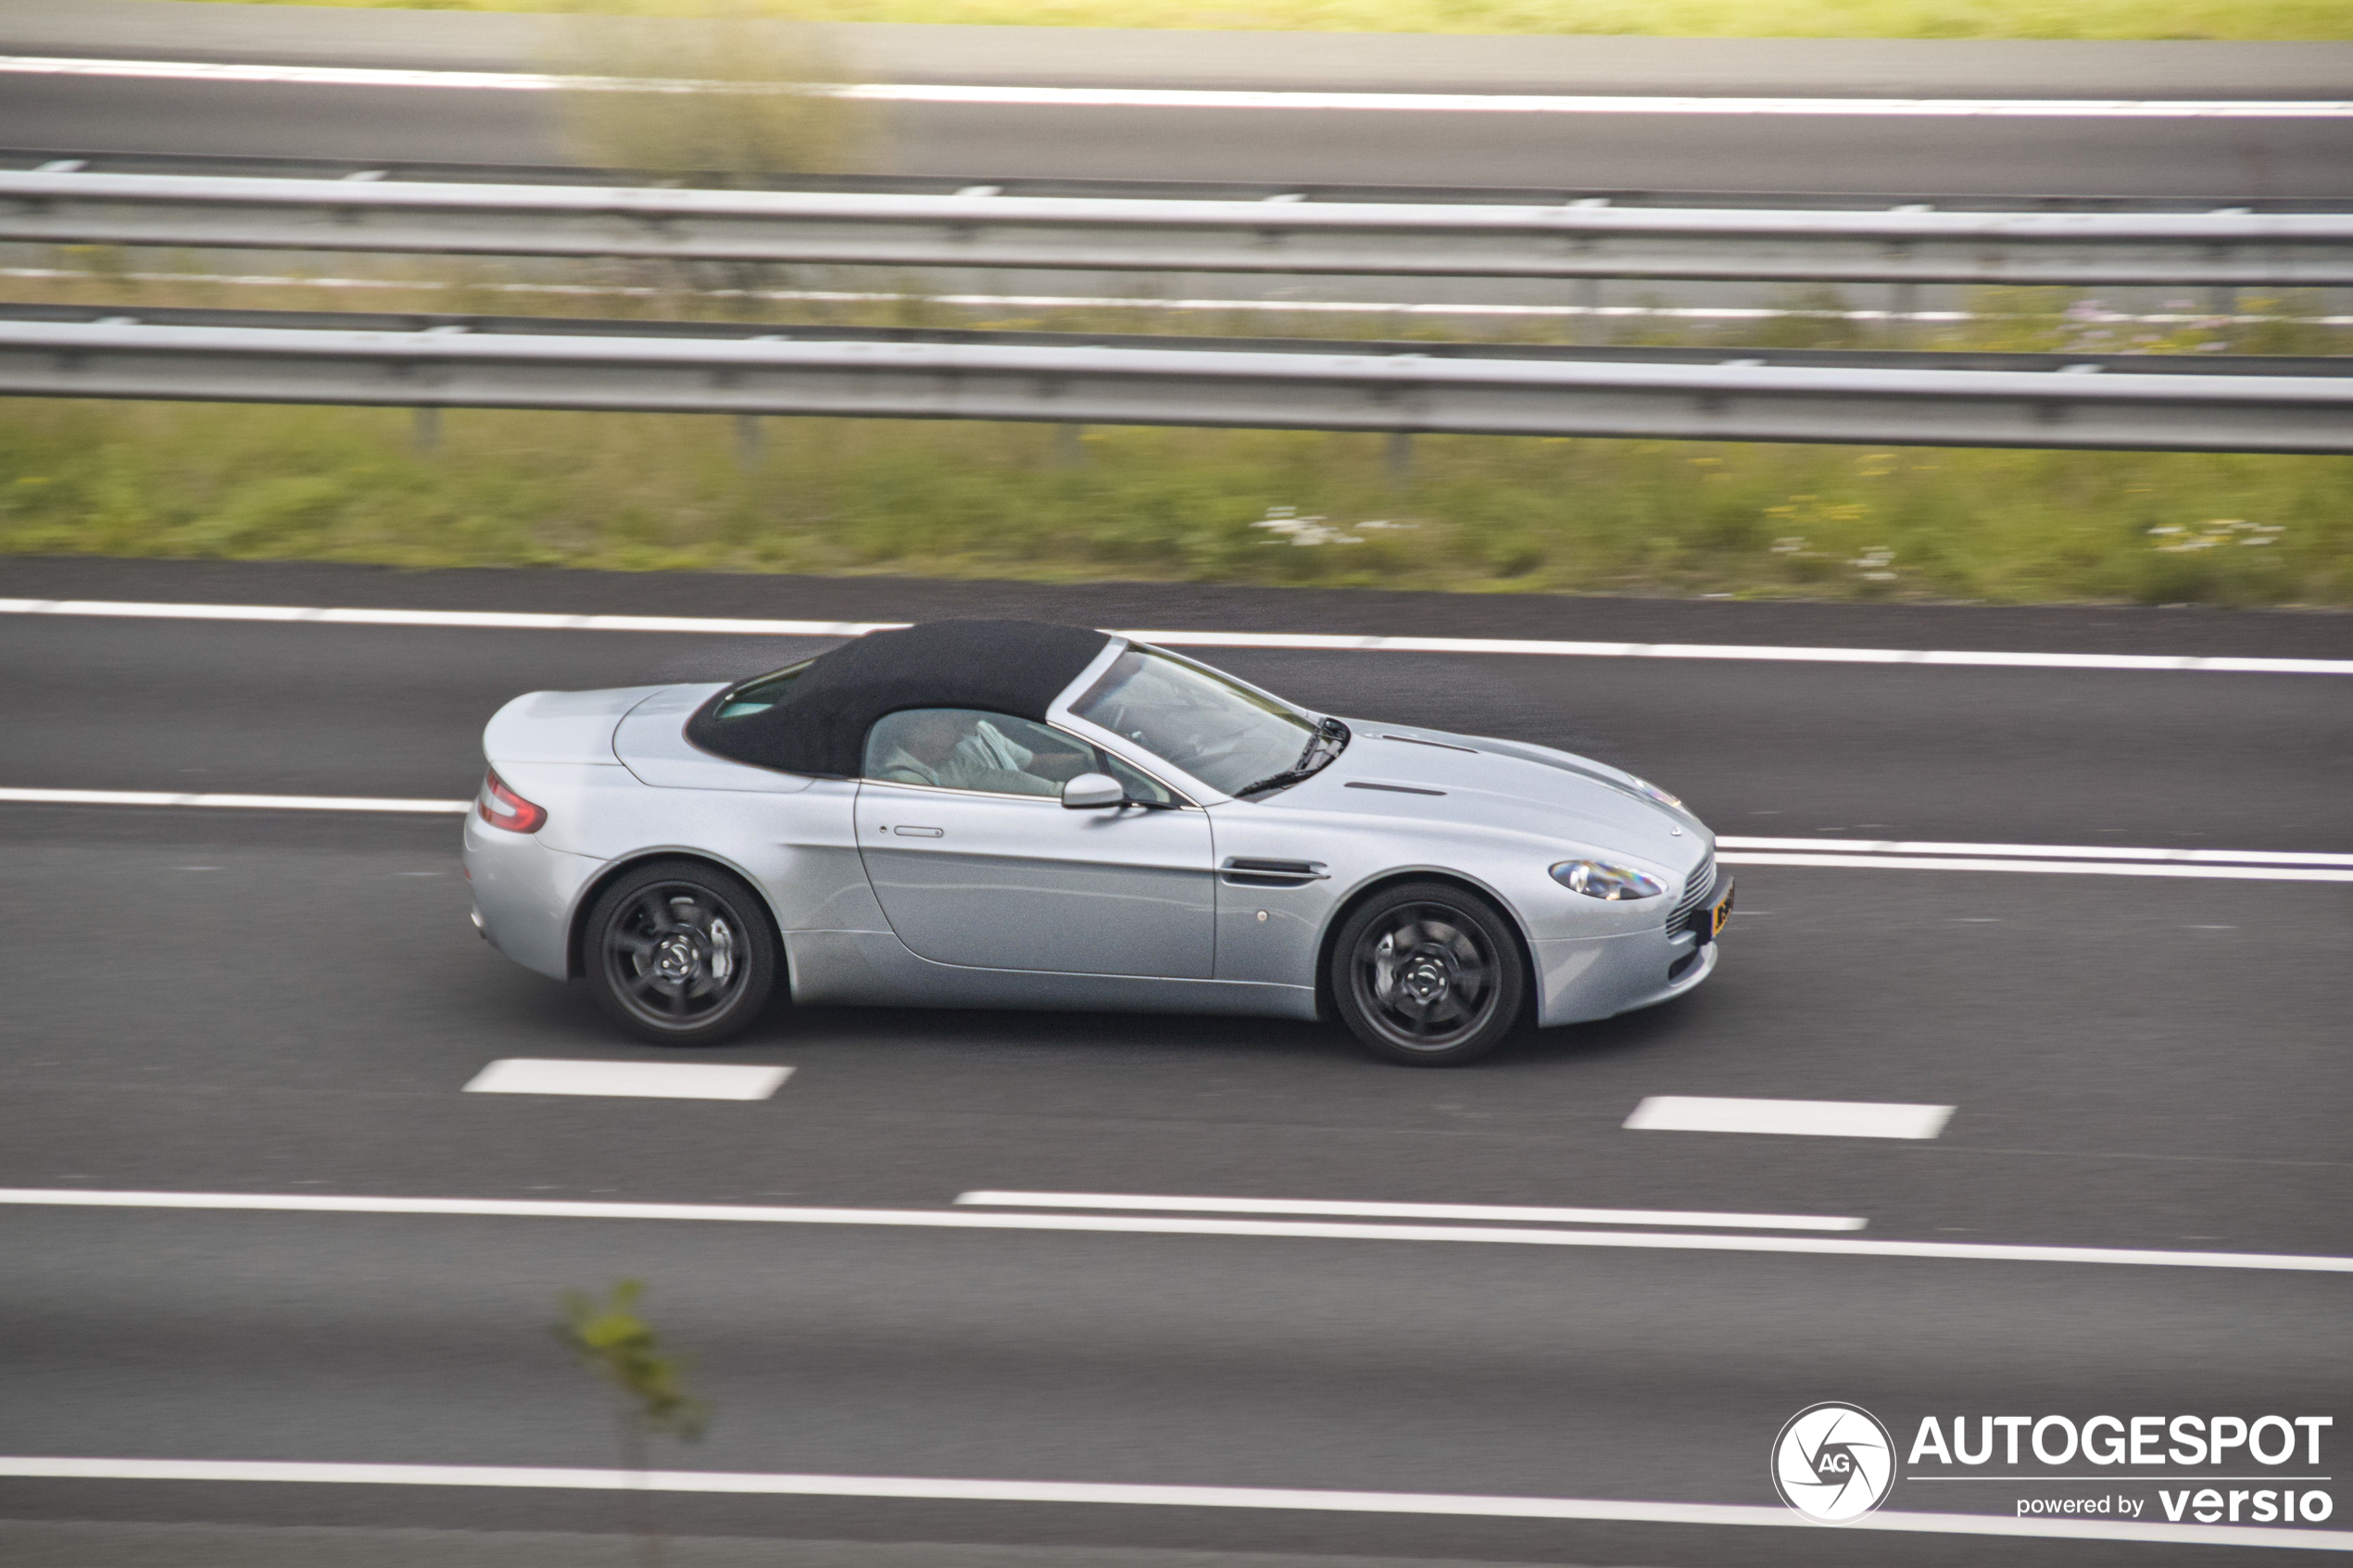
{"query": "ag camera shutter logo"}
(1833, 1463)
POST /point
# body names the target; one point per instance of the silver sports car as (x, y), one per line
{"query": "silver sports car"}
(999, 813)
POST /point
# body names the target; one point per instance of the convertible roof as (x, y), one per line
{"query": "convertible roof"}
(1016, 666)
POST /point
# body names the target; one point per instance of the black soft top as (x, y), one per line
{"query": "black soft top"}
(819, 725)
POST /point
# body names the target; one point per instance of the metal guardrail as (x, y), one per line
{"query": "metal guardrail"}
(297, 166)
(1582, 240)
(480, 325)
(1173, 382)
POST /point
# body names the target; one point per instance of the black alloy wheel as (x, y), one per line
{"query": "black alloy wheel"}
(681, 953)
(1428, 974)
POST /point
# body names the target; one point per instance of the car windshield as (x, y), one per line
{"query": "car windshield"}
(1223, 733)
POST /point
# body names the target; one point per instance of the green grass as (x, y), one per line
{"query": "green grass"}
(1700, 18)
(647, 492)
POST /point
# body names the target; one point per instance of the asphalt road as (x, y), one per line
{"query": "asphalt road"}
(229, 1001)
(258, 1002)
(1996, 756)
(1904, 158)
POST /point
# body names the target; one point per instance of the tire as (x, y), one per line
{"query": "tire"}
(1428, 974)
(680, 953)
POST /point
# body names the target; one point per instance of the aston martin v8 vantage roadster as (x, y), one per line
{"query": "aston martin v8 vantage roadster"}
(996, 813)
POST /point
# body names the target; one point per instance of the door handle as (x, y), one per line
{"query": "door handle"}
(918, 832)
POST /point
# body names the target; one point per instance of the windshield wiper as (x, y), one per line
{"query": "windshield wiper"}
(1329, 732)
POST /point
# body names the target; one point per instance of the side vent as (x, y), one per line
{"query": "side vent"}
(1242, 871)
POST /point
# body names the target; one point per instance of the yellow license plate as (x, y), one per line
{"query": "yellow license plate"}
(1720, 916)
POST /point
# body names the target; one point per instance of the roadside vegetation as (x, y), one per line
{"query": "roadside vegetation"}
(762, 124)
(1465, 513)
(1474, 514)
(647, 1384)
(1691, 19)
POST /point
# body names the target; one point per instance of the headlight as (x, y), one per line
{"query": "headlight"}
(1653, 792)
(1597, 881)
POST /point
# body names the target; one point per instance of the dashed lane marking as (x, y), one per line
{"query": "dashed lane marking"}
(1799, 1118)
(649, 1080)
(1489, 1212)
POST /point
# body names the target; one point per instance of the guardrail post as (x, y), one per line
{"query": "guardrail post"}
(425, 430)
(1070, 450)
(749, 441)
(1903, 303)
(1588, 326)
(1399, 456)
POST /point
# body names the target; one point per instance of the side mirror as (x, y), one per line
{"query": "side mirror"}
(1093, 792)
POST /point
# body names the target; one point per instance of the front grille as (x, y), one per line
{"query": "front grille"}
(1696, 892)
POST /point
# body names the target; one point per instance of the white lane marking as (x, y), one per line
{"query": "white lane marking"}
(2208, 863)
(489, 620)
(1164, 1224)
(237, 802)
(1188, 98)
(305, 76)
(1739, 651)
(1310, 641)
(1802, 1117)
(2069, 868)
(1492, 1212)
(1583, 103)
(2042, 851)
(946, 1489)
(652, 1080)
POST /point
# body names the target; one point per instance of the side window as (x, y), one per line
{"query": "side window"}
(965, 749)
(1139, 786)
(760, 696)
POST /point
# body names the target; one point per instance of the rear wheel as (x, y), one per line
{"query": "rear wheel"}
(1428, 974)
(680, 953)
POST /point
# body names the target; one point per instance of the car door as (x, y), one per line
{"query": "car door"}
(975, 861)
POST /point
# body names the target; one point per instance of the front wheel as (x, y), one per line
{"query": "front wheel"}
(680, 953)
(1428, 974)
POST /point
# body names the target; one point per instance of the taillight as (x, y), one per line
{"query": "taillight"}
(502, 808)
